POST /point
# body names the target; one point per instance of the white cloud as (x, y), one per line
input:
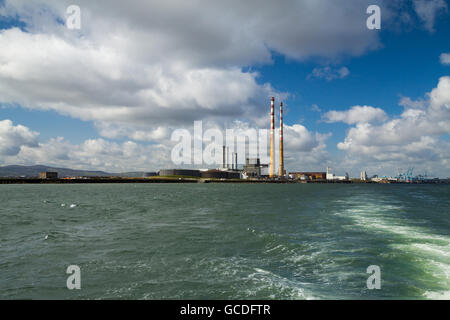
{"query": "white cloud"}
(445, 58)
(302, 148)
(94, 154)
(305, 150)
(14, 138)
(411, 139)
(428, 10)
(102, 85)
(329, 73)
(356, 114)
(139, 64)
(315, 108)
(138, 69)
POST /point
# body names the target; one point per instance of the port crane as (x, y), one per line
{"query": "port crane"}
(406, 176)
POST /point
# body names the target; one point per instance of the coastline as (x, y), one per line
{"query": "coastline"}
(189, 180)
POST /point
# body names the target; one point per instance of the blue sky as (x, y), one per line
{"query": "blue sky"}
(402, 60)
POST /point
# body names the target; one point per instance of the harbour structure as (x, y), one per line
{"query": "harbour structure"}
(272, 141)
(48, 175)
(281, 172)
(406, 177)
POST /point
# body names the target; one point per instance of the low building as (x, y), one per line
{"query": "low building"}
(332, 177)
(214, 174)
(179, 172)
(220, 174)
(48, 175)
(308, 175)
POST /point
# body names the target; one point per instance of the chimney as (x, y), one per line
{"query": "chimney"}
(272, 142)
(281, 165)
(223, 157)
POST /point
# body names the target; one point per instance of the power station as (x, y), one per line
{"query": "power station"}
(253, 168)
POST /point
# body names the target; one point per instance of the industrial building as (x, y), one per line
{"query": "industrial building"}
(332, 177)
(206, 174)
(363, 175)
(312, 176)
(179, 172)
(220, 174)
(254, 169)
(48, 175)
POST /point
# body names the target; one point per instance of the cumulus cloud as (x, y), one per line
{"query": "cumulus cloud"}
(445, 58)
(14, 138)
(303, 147)
(427, 10)
(138, 69)
(101, 85)
(356, 114)
(93, 154)
(329, 73)
(412, 138)
(142, 64)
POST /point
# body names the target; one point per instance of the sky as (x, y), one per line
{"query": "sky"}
(108, 96)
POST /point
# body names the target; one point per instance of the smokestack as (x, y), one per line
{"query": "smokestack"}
(223, 157)
(232, 161)
(235, 161)
(228, 158)
(272, 142)
(281, 168)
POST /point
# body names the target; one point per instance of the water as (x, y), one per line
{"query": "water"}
(224, 241)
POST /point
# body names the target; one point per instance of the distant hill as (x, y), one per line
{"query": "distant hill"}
(33, 171)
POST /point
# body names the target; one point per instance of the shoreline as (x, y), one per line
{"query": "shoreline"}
(190, 180)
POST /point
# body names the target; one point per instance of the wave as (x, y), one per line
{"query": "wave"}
(430, 249)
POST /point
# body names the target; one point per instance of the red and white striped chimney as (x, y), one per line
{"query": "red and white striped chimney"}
(272, 141)
(281, 164)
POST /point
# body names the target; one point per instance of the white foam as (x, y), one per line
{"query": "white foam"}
(270, 279)
(443, 251)
(433, 250)
(443, 295)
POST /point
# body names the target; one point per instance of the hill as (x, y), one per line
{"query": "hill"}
(33, 171)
